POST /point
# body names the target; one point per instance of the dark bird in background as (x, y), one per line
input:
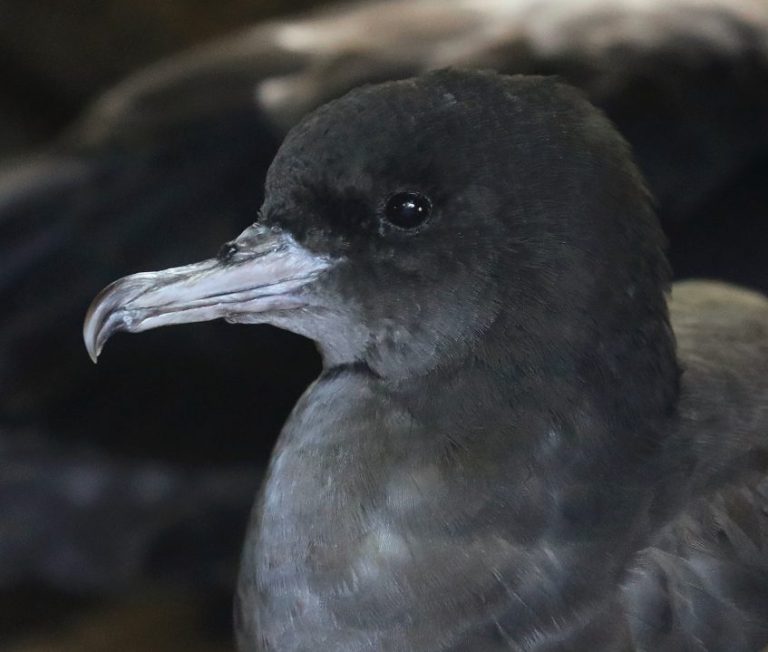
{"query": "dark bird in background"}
(171, 162)
(518, 440)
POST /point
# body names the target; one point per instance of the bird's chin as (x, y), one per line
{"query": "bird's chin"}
(259, 278)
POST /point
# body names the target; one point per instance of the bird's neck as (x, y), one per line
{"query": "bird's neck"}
(621, 373)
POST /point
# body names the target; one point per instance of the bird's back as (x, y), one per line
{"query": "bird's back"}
(703, 584)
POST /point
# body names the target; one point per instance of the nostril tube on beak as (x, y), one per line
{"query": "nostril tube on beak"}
(226, 252)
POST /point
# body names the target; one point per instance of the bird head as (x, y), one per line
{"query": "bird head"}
(404, 222)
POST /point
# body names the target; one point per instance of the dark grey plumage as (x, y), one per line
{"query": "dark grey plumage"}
(505, 450)
(170, 162)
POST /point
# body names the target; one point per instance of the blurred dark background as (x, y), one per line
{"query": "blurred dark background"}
(135, 135)
(55, 57)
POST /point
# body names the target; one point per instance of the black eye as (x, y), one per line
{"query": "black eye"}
(408, 210)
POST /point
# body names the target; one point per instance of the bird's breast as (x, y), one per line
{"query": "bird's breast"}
(373, 531)
(328, 526)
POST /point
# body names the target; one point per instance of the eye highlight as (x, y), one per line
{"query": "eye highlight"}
(407, 210)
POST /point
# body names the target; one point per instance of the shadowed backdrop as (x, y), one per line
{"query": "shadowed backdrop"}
(140, 472)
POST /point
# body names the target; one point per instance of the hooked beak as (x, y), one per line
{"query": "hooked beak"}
(262, 271)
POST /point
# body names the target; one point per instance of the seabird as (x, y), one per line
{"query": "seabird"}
(170, 162)
(519, 440)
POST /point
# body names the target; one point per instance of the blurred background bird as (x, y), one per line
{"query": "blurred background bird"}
(123, 485)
